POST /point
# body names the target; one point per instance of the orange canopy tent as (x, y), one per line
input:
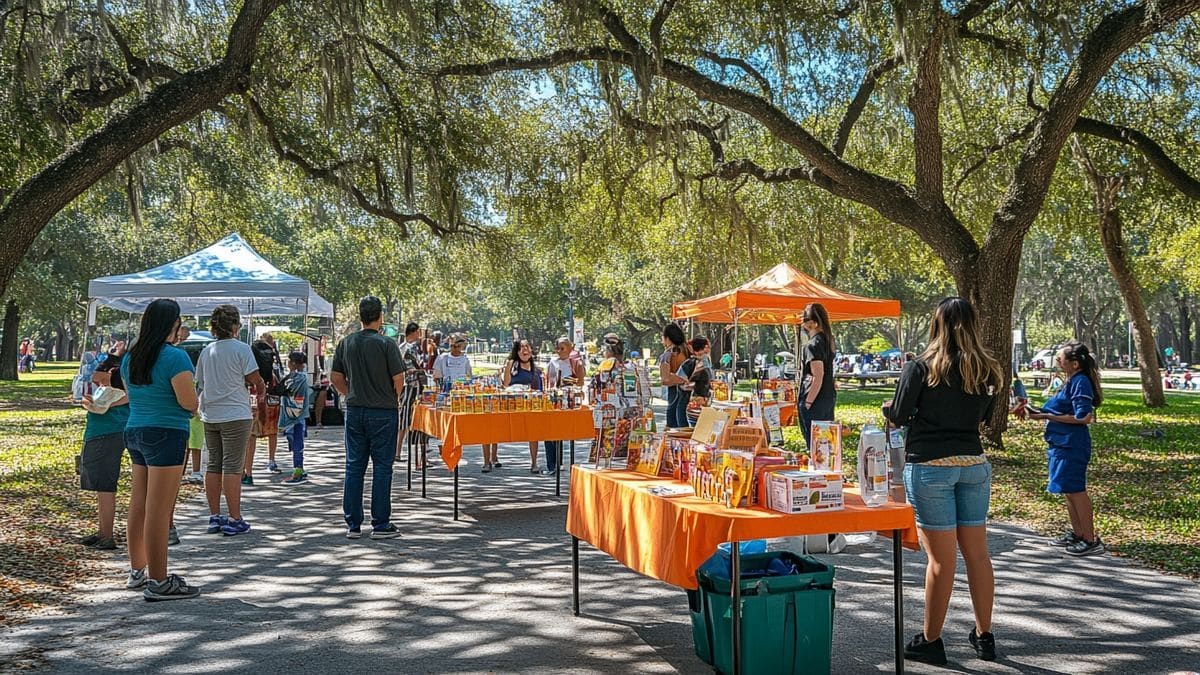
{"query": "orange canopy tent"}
(778, 297)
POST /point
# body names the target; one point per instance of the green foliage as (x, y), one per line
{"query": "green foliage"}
(874, 345)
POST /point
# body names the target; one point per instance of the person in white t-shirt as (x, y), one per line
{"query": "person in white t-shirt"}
(224, 370)
(565, 370)
(452, 365)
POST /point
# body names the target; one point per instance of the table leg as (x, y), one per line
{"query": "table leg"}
(735, 593)
(558, 457)
(572, 453)
(408, 443)
(575, 574)
(898, 600)
(456, 492)
(424, 461)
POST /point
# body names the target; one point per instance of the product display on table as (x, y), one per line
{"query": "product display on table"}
(873, 466)
(826, 452)
(793, 491)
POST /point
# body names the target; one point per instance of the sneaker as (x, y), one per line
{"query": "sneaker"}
(1084, 547)
(172, 536)
(171, 588)
(354, 533)
(90, 540)
(547, 472)
(534, 470)
(1065, 539)
(296, 478)
(106, 544)
(197, 478)
(273, 467)
(388, 531)
(985, 645)
(920, 649)
(247, 480)
(232, 527)
(137, 579)
(215, 523)
(487, 468)
(497, 465)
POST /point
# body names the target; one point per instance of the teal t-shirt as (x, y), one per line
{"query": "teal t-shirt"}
(111, 422)
(154, 404)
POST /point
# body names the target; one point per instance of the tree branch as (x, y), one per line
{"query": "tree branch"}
(656, 25)
(1011, 138)
(861, 97)
(143, 70)
(697, 127)
(330, 175)
(728, 61)
(924, 102)
(1154, 153)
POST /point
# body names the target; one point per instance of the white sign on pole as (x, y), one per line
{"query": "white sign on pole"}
(577, 333)
(1018, 337)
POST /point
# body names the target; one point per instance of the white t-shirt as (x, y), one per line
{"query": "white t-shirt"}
(449, 368)
(558, 370)
(221, 379)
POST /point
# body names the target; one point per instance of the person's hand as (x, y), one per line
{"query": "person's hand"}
(87, 403)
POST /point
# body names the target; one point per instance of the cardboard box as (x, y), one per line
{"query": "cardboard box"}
(804, 491)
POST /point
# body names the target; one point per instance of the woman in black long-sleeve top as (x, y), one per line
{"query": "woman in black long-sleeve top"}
(942, 397)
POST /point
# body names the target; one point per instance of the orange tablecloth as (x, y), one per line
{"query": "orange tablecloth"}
(458, 429)
(667, 538)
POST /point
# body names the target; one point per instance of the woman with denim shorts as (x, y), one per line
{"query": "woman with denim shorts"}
(943, 396)
(162, 400)
(1067, 416)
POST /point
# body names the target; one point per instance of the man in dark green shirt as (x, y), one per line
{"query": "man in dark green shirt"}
(368, 371)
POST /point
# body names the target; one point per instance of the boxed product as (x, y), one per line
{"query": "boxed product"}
(804, 491)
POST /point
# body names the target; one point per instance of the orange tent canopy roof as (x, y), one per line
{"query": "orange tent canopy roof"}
(778, 297)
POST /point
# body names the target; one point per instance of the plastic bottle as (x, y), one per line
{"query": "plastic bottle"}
(873, 466)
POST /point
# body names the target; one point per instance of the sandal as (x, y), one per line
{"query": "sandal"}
(487, 468)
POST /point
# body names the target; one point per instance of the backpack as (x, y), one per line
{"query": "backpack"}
(266, 359)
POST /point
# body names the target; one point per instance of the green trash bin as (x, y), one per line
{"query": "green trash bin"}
(787, 621)
(701, 640)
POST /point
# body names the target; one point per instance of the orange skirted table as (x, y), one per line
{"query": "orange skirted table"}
(668, 538)
(455, 430)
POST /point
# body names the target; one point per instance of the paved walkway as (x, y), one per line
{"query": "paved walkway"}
(491, 593)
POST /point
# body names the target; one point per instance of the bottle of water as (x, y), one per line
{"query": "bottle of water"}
(873, 466)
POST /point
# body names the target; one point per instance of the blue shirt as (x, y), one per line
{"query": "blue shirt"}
(111, 422)
(1075, 398)
(531, 378)
(154, 404)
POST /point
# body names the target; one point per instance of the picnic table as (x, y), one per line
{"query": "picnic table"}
(879, 376)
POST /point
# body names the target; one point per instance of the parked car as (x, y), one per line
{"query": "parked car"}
(196, 342)
(1043, 359)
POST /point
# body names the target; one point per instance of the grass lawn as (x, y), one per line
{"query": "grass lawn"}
(42, 509)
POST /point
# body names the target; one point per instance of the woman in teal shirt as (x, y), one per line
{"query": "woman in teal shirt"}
(162, 400)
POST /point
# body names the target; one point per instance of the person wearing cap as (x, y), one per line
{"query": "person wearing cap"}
(564, 370)
(368, 370)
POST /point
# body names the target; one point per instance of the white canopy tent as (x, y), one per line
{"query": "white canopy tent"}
(228, 272)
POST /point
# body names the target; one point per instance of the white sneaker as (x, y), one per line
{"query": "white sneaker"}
(137, 579)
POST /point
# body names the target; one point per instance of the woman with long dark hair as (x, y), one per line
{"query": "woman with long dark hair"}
(162, 399)
(1067, 416)
(521, 368)
(675, 352)
(943, 396)
(818, 397)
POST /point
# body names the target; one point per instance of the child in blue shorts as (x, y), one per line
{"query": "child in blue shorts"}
(1068, 414)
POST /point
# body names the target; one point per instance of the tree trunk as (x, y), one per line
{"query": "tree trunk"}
(8, 348)
(1105, 190)
(80, 166)
(1185, 326)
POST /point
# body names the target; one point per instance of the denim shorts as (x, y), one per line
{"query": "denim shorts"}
(156, 446)
(1068, 469)
(946, 497)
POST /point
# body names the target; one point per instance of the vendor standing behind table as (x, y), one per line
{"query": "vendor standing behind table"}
(676, 351)
(520, 368)
(564, 370)
(818, 397)
(454, 365)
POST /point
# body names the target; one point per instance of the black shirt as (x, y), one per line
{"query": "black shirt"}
(943, 421)
(699, 376)
(369, 361)
(817, 349)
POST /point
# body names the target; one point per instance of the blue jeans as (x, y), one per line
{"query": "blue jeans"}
(948, 497)
(370, 435)
(552, 450)
(677, 403)
(295, 439)
(821, 411)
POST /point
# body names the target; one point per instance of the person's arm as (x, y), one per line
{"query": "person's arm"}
(338, 380)
(257, 385)
(904, 402)
(396, 367)
(817, 368)
(506, 373)
(185, 391)
(669, 378)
